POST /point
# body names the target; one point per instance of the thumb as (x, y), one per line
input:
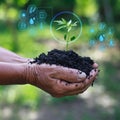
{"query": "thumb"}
(68, 74)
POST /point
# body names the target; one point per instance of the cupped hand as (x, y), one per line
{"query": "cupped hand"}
(59, 81)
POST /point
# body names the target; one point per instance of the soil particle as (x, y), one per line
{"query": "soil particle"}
(68, 59)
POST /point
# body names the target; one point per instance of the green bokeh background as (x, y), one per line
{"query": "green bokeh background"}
(26, 102)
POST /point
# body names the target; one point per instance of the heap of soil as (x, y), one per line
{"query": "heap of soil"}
(68, 59)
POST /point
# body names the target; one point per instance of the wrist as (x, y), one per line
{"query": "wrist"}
(20, 60)
(30, 74)
(12, 74)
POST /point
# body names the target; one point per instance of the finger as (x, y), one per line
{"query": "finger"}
(62, 91)
(68, 74)
(79, 91)
(83, 85)
(90, 79)
(70, 88)
(95, 65)
(76, 92)
(78, 88)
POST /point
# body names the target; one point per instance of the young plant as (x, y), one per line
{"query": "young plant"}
(67, 26)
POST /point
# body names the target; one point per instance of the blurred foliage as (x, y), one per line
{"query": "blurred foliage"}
(22, 95)
(63, 99)
(87, 8)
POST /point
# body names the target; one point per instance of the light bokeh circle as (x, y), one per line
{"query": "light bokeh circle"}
(66, 13)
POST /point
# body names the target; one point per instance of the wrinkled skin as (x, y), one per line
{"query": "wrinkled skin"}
(59, 81)
(56, 80)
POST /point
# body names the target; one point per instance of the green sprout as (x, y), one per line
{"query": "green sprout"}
(67, 25)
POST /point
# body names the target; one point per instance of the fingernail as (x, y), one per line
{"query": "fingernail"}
(80, 72)
(81, 75)
(92, 72)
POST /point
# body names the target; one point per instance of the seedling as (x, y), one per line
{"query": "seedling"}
(67, 26)
(66, 58)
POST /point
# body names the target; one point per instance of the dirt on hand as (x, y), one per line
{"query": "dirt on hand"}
(64, 58)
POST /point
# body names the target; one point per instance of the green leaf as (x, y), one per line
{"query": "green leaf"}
(63, 26)
(74, 24)
(64, 21)
(69, 29)
(65, 36)
(69, 23)
(72, 38)
(59, 22)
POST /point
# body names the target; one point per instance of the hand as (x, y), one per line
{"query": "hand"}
(57, 80)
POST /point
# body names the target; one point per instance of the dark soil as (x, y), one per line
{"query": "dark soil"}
(67, 59)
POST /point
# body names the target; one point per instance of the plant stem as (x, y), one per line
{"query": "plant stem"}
(67, 46)
(67, 41)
